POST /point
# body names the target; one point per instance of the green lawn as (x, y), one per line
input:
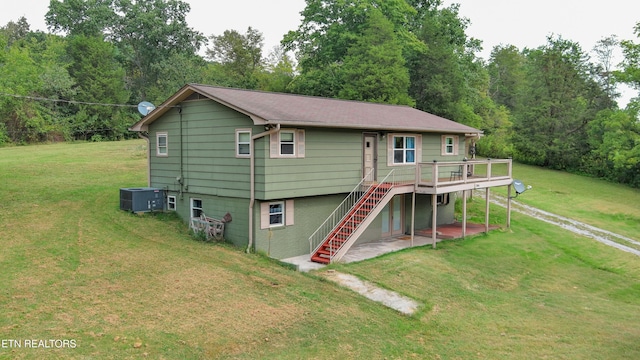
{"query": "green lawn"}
(596, 202)
(73, 266)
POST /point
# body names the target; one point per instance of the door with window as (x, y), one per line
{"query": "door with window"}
(369, 155)
(393, 217)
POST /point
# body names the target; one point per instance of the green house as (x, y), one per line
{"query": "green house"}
(294, 175)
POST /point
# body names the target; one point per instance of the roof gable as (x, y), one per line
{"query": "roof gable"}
(311, 111)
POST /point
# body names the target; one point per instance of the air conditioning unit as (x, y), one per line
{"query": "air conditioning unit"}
(141, 199)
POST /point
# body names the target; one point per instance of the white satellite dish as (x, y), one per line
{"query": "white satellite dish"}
(145, 108)
(519, 187)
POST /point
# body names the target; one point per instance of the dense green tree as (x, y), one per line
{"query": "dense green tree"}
(559, 102)
(507, 76)
(239, 56)
(20, 79)
(146, 32)
(280, 71)
(329, 29)
(373, 69)
(99, 79)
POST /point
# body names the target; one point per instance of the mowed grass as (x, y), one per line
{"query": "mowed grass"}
(597, 202)
(73, 266)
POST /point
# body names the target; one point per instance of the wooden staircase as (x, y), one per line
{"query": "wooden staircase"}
(353, 223)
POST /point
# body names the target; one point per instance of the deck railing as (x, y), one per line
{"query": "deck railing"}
(444, 173)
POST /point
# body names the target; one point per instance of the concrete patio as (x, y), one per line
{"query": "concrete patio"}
(373, 249)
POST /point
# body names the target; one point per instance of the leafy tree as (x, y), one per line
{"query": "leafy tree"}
(99, 78)
(329, 29)
(373, 69)
(507, 76)
(146, 32)
(240, 56)
(558, 103)
(19, 76)
(630, 73)
(280, 71)
(615, 139)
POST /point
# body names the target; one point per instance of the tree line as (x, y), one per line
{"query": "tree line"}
(552, 106)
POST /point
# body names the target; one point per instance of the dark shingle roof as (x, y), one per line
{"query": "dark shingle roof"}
(300, 110)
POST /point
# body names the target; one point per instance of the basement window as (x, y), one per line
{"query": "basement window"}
(442, 199)
(171, 203)
(196, 208)
(276, 214)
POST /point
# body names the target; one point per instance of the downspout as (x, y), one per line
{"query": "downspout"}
(252, 200)
(146, 137)
(181, 176)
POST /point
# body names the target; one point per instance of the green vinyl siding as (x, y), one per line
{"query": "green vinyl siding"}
(332, 164)
(209, 164)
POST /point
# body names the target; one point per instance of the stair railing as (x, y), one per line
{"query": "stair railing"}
(336, 217)
(386, 184)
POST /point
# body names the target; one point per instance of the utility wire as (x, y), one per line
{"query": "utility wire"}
(72, 101)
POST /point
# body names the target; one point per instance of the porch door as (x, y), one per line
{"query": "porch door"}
(393, 217)
(369, 155)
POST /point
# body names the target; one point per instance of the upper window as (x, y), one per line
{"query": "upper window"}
(162, 144)
(243, 143)
(449, 145)
(287, 143)
(404, 149)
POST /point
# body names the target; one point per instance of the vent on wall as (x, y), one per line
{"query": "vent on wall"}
(141, 199)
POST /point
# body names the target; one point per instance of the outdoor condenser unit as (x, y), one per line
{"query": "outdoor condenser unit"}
(141, 199)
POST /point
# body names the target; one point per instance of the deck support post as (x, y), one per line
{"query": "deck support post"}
(508, 206)
(413, 215)
(464, 213)
(434, 218)
(486, 213)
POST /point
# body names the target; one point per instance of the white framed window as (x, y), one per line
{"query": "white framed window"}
(171, 202)
(243, 143)
(404, 149)
(287, 143)
(196, 208)
(449, 145)
(276, 214)
(162, 144)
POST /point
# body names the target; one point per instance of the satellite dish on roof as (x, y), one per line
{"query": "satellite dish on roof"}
(519, 187)
(145, 108)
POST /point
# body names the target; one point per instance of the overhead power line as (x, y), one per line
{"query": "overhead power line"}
(37, 98)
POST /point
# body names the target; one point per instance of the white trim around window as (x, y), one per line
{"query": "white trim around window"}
(404, 149)
(196, 207)
(243, 143)
(162, 144)
(275, 214)
(450, 145)
(171, 202)
(287, 143)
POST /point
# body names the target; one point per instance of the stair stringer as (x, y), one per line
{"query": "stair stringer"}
(365, 224)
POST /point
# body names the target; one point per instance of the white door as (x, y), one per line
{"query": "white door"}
(370, 156)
